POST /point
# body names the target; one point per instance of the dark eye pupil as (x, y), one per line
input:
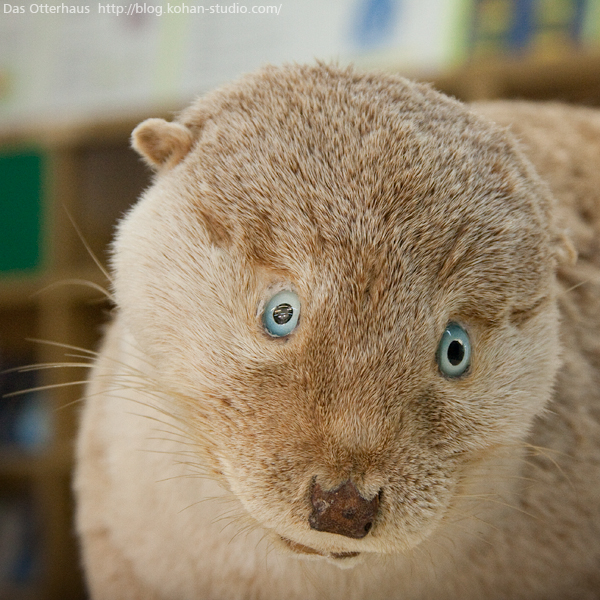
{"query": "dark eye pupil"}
(282, 313)
(456, 352)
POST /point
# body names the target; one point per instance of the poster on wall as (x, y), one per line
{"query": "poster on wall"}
(68, 61)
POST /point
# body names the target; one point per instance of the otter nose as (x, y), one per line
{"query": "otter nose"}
(342, 510)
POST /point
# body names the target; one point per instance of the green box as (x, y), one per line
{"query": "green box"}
(21, 174)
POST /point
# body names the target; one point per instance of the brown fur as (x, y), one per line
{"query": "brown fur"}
(391, 210)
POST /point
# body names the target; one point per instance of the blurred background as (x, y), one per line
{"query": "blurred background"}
(74, 81)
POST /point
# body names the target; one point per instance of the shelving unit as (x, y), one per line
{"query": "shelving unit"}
(570, 77)
(91, 174)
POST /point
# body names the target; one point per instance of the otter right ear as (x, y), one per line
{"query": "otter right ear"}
(160, 143)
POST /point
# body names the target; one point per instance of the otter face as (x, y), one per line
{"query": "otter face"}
(345, 285)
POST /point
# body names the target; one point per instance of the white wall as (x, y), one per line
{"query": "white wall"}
(71, 66)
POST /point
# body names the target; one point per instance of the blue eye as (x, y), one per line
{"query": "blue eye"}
(454, 351)
(281, 313)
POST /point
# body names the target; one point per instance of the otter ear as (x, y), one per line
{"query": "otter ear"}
(564, 250)
(160, 143)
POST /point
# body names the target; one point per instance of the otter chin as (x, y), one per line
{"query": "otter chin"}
(350, 326)
(305, 550)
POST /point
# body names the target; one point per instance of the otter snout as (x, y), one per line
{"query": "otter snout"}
(342, 510)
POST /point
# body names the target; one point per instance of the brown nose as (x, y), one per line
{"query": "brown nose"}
(342, 510)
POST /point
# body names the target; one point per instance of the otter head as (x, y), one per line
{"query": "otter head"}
(345, 285)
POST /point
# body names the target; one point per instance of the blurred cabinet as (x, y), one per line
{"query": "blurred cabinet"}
(52, 184)
(567, 77)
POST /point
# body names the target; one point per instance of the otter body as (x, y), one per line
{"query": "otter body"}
(353, 356)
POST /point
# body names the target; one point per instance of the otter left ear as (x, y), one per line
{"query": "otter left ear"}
(564, 250)
(160, 143)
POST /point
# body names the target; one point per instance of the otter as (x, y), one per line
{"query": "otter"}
(353, 354)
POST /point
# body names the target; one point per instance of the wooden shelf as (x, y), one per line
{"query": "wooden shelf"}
(16, 592)
(80, 284)
(56, 304)
(569, 77)
(57, 459)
